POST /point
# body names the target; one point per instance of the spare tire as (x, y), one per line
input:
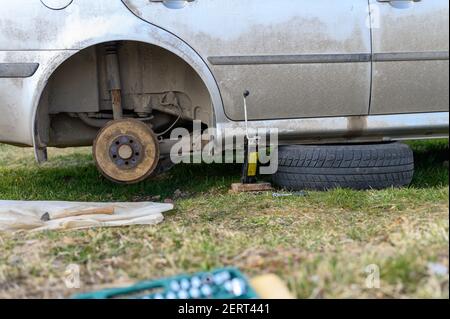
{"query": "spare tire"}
(361, 166)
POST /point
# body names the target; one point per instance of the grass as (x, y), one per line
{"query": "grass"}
(319, 244)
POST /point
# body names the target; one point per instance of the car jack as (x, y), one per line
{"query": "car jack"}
(249, 182)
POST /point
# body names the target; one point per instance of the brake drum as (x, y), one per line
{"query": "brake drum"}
(126, 151)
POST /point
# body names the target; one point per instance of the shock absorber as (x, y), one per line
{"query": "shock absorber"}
(113, 78)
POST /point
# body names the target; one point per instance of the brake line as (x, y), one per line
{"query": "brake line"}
(180, 114)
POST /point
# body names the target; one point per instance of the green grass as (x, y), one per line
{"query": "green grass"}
(319, 244)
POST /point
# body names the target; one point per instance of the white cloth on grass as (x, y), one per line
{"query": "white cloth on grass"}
(26, 215)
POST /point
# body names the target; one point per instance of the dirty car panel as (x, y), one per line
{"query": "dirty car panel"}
(301, 58)
(410, 56)
(321, 71)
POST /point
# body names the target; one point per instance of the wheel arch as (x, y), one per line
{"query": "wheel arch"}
(144, 33)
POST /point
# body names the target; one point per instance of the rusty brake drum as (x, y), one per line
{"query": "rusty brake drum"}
(126, 151)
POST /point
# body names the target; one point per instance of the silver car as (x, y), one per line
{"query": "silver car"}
(121, 75)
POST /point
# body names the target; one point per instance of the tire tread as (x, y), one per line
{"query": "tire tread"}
(365, 166)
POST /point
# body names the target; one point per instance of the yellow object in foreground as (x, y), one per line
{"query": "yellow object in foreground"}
(270, 287)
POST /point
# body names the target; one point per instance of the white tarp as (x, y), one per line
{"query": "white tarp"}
(36, 216)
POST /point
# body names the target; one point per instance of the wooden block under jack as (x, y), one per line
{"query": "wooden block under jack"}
(257, 187)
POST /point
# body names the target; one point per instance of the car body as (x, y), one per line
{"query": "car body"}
(322, 71)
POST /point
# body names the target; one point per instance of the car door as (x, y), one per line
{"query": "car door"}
(297, 58)
(410, 61)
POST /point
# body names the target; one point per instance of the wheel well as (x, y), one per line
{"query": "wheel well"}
(158, 87)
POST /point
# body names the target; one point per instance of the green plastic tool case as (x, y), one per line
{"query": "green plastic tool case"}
(226, 283)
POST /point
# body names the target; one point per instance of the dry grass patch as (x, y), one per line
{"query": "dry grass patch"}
(319, 244)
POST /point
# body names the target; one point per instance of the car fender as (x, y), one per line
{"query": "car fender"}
(131, 28)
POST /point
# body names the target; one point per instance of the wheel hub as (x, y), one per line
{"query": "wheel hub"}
(126, 152)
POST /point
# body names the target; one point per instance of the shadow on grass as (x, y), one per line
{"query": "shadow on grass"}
(82, 182)
(431, 163)
(85, 183)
